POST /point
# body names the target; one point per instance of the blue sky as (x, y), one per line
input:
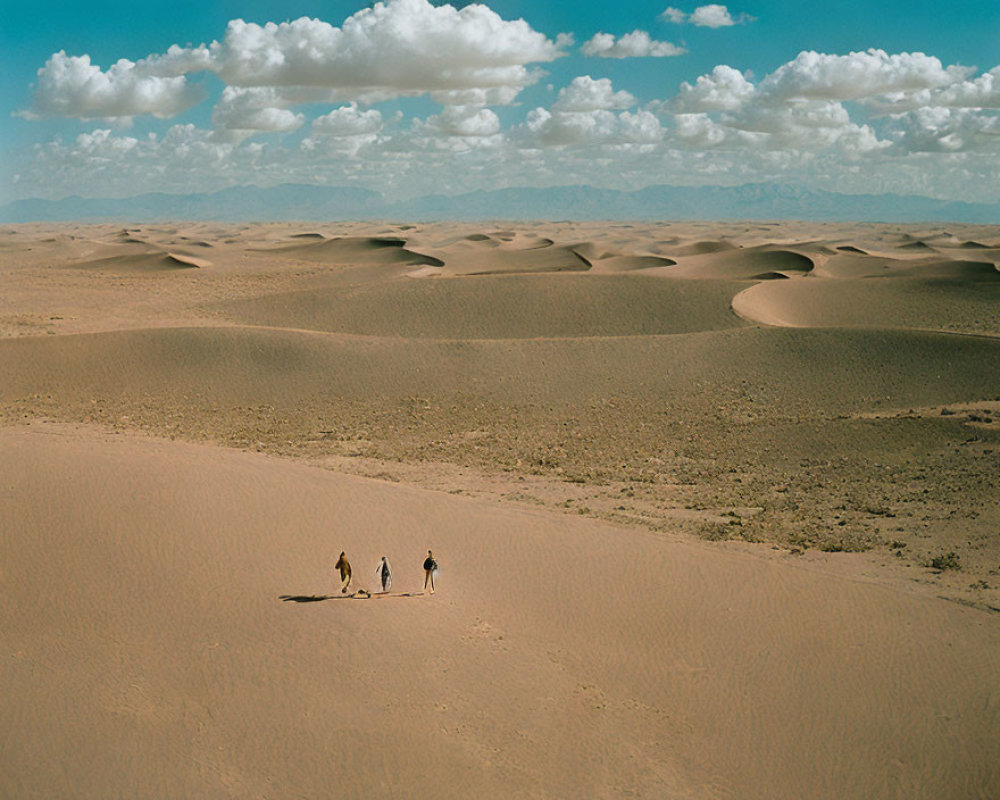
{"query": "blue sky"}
(411, 97)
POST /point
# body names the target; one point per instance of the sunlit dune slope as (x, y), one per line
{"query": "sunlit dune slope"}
(148, 651)
(952, 305)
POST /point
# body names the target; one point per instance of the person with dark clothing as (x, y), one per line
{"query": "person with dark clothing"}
(345, 572)
(430, 571)
(384, 571)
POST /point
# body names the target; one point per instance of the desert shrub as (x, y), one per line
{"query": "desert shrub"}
(848, 542)
(945, 561)
(714, 532)
(878, 511)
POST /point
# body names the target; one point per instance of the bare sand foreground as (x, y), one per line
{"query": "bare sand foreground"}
(716, 507)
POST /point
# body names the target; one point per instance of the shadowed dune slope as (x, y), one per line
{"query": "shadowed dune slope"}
(119, 254)
(693, 248)
(741, 264)
(501, 306)
(855, 265)
(594, 251)
(614, 264)
(485, 258)
(948, 269)
(147, 653)
(354, 250)
(832, 370)
(957, 306)
(502, 252)
(151, 262)
(979, 250)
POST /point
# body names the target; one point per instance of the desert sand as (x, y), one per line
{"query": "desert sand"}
(716, 507)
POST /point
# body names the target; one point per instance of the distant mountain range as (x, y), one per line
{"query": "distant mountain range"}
(305, 202)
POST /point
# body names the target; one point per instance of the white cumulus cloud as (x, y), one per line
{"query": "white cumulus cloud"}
(862, 120)
(813, 125)
(253, 110)
(561, 129)
(800, 107)
(397, 46)
(492, 96)
(462, 121)
(637, 44)
(698, 131)
(856, 75)
(584, 115)
(709, 16)
(345, 131)
(71, 86)
(724, 89)
(588, 94)
(914, 103)
(982, 92)
(948, 130)
(348, 121)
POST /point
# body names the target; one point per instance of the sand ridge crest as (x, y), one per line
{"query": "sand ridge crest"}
(138, 257)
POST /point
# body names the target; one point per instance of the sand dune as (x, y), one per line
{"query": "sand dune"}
(67, 248)
(620, 662)
(613, 264)
(121, 252)
(699, 248)
(501, 307)
(701, 492)
(897, 303)
(594, 251)
(223, 369)
(752, 263)
(946, 269)
(505, 252)
(935, 293)
(494, 258)
(860, 265)
(146, 262)
(356, 250)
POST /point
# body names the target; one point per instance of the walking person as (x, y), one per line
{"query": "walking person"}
(430, 571)
(345, 572)
(384, 571)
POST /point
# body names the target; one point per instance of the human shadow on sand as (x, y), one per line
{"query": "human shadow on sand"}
(316, 598)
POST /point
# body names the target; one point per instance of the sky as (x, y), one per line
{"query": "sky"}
(411, 97)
